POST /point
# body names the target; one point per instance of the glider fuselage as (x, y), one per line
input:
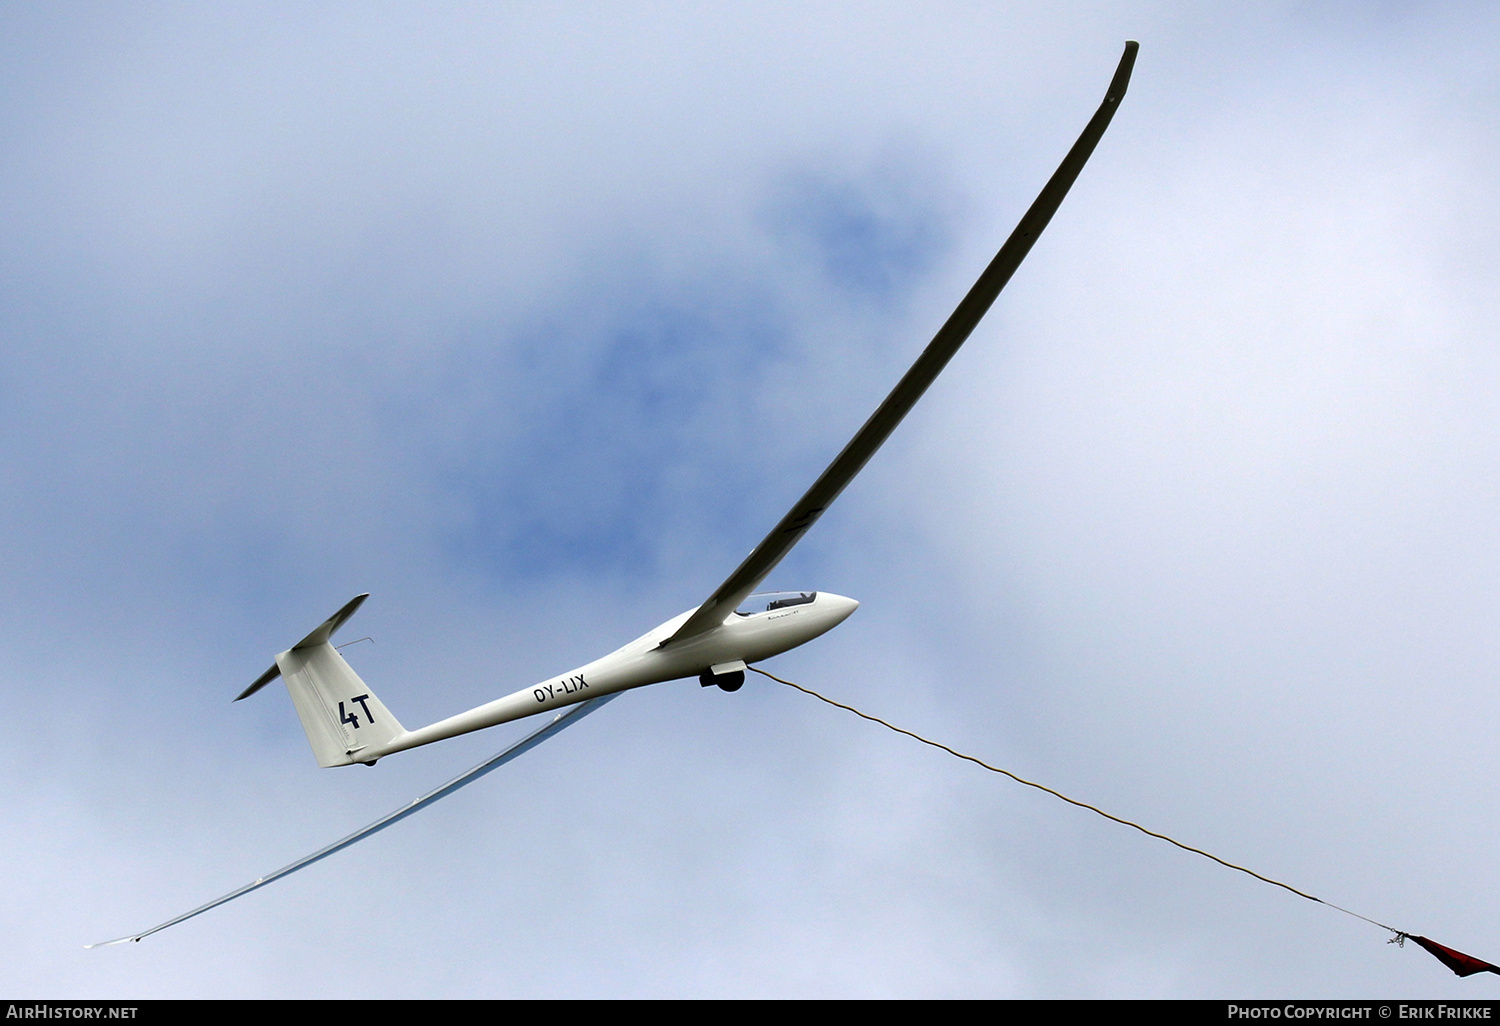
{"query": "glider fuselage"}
(742, 638)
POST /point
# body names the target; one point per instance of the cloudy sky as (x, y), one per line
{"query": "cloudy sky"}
(530, 320)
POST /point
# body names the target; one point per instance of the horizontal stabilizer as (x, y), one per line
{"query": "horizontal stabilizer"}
(325, 631)
(260, 682)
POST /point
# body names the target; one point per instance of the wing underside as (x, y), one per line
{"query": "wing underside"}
(764, 558)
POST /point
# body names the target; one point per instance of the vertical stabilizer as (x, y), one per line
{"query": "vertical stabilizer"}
(341, 716)
(339, 712)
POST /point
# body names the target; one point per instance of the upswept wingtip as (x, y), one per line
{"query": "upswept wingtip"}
(1121, 81)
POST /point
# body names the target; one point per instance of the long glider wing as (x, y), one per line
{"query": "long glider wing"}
(568, 716)
(738, 586)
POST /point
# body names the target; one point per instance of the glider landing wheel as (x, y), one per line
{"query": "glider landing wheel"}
(728, 681)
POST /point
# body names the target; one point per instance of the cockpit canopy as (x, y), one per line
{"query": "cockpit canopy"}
(770, 600)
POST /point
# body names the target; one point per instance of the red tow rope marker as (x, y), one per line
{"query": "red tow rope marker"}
(1460, 963)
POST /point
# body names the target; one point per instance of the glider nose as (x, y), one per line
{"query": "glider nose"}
(839, 606)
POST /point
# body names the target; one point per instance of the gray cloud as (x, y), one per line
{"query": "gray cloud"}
(298, 304)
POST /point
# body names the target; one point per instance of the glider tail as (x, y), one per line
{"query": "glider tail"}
(339, 712)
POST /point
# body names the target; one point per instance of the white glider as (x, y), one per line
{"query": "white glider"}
(346, 723)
